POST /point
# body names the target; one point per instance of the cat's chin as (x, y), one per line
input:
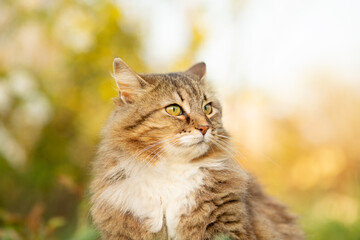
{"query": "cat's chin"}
(187, 152)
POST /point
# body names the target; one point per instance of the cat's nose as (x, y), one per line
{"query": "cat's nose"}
(202, 128)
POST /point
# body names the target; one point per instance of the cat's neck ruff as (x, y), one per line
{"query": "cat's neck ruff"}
(152, 192)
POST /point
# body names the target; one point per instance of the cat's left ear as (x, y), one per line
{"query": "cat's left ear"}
(198, 70)
(130, 84)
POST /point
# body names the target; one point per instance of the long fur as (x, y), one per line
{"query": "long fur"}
(156, 176)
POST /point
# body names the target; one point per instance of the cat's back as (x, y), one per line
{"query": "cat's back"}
(232, 199)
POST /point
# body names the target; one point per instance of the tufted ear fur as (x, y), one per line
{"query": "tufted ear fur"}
(199, 70)
(130, 84)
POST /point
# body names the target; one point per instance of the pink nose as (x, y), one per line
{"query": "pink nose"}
(202, 128)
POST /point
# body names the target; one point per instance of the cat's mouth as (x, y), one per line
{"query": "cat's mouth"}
(192, 144)
(189, 146)
(200, 142)
(191, 141)
(203, 140)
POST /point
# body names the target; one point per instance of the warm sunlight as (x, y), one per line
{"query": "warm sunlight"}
(287, 73)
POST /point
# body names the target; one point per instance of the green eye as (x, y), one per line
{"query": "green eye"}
(207, 109)
(174, 110)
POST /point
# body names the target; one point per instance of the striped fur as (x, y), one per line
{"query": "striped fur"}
(157, 176)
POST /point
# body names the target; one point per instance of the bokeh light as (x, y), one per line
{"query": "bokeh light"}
(287, 73)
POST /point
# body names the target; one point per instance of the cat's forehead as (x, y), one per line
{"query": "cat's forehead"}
(176, 79)
(181, 83)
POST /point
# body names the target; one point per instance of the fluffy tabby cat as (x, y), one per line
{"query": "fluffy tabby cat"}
(164, 169)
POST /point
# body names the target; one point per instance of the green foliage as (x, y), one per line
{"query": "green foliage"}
(334, 230)
(51, 127)
(221, 237)
(55, 91)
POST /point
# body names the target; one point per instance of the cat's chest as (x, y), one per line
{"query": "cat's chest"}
(166, 192)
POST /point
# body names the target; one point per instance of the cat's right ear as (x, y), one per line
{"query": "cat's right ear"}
(130, 84)
(198, 70)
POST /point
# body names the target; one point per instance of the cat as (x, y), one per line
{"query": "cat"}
(164, 169)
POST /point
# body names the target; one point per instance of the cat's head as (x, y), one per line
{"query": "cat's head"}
(165, 116)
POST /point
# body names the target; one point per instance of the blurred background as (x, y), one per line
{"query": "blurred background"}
(287, 72)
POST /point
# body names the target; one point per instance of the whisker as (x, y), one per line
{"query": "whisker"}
(232, 156)
(219, 135)
(225, 150)
(158, 150)
(157, 155)
(151, 146)
(138, 153)
(153, 154)
(244, 146)
(242, 156)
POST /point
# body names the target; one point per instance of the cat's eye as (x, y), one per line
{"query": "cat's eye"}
(207, 109)
(174, 110)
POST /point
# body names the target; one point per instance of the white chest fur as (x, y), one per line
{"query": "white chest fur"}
(152, 192)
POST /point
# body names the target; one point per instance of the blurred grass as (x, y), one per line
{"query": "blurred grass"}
(55, 91)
